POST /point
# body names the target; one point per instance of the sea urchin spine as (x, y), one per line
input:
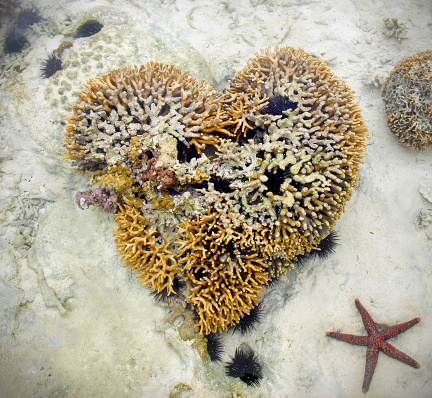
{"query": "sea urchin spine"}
(50, 66)
(245, 366)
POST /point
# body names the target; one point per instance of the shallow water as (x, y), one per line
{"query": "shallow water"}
(75, 323)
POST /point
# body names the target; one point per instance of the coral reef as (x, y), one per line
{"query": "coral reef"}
(225, 273)
(145, 250)
(216, 194)
(301, 140)
(407, 94)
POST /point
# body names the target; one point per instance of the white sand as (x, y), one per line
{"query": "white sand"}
(74, 323)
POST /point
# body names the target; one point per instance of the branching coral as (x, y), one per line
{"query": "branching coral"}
(145, 251)
(225, 276)
(407, 94)
(170, 113)
(301, 125)
(216, 194)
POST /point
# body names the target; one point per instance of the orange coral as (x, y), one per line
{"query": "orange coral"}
(149, 99)
(287, 141)
(144, 250)
(225, 276)
(311, 135)
(326, 102)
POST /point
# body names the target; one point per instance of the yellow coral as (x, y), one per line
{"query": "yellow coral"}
(225, 276)
(144, 250)
(312, 133)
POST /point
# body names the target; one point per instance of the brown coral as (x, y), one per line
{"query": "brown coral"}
(225, 277)
(308, 133)
(151, 101)
(407, 94)
(145, 250)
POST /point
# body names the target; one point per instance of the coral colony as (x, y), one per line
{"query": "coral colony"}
(407, 94)
(217, 194)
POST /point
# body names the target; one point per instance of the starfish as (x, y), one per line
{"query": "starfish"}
(375, 341)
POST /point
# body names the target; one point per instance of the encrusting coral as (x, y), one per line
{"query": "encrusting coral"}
(215, 194)
(407, 94)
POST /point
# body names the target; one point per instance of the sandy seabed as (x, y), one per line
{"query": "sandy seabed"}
(74, 323)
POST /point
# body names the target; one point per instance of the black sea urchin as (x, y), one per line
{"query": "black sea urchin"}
(15, 41)
(245, 366)
(327, 245)
(325, 248)
(89, 28)
(247, 322)
(27, 18)
(214, 346)
(279, 104)
(163, 297)
(50, 66)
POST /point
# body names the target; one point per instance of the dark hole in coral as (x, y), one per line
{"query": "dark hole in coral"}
(275, 180)
(165, 110)
(50, 66)
(172, 192)
(149, 154)
(220, 184)
(15, 41)
(257, 134)
(201, 273)
(89, 28)
(185, 151)
(159, 238)
(278, 104)
(260, 154)
(229, 248)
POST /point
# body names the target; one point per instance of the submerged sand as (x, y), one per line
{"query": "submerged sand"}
(74, 323)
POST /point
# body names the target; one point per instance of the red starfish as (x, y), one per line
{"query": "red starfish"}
(376, 341)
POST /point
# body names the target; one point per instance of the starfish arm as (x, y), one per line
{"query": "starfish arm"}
(368, 322)
(393, 352)
(396, 329)
(371, 361)
(349, 338)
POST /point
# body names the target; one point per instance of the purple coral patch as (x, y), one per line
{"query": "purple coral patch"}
(107, 200)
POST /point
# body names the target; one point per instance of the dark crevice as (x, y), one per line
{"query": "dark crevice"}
(278, 104)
